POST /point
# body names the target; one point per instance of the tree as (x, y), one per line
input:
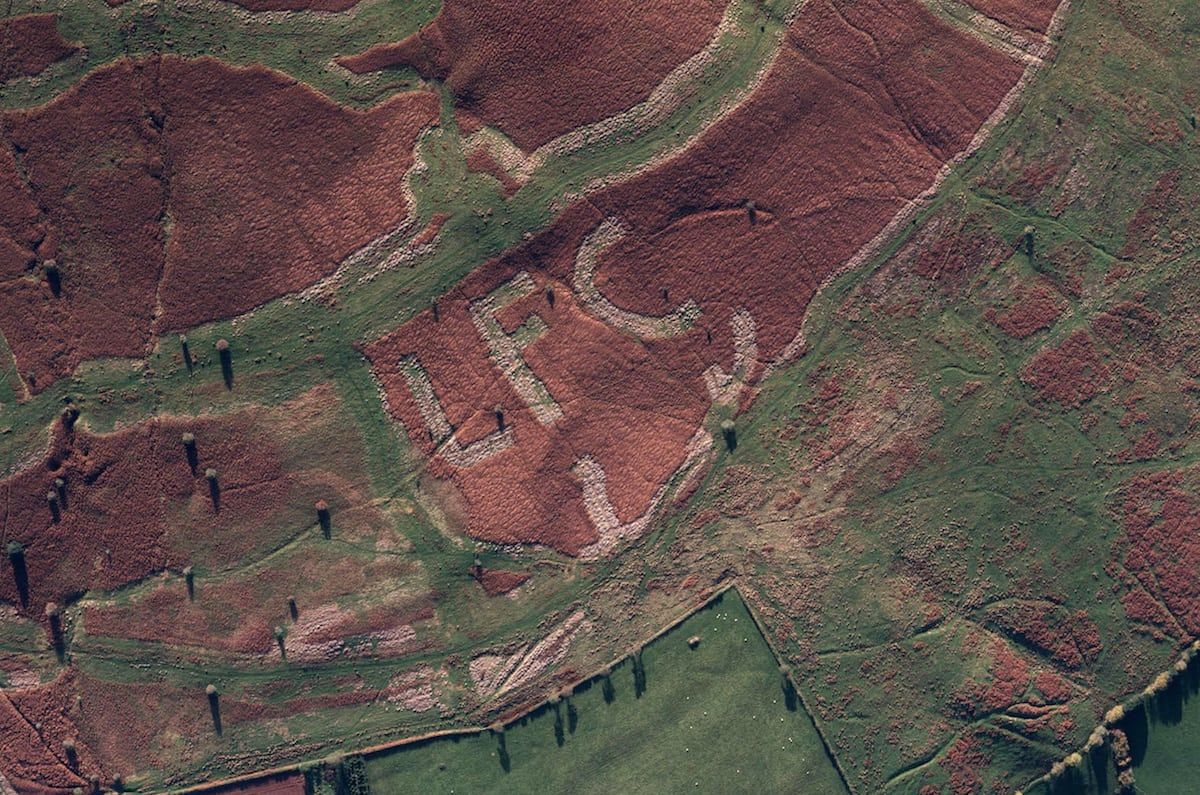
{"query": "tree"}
(323, 517)
(214, 706)
(53, 275)
(226, 362)
(729, 431)
(280, 634)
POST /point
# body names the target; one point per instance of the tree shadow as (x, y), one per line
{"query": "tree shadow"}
(790, 699)
(560, 735)
(1166, 706)
(16, 558)
(214, 493)
(57, 640)
(1099, 759)
(572, 717)
(639, 675)
(1070, 782)
(226, 367)
(1136, 725)
(502, 752)
(214, 708)
(729, 433)
(607, 690)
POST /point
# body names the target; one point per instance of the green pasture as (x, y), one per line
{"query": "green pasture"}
(710, 719)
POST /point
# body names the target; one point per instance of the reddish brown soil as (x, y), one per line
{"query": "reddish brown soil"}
(134, 727)
(239, 614)
(1033, 308)
(1160, 514)
(1070, 373)
(31, 762)
(1128, 325)
(1021, 15)
(947, 251)
(500, 581)
(274, 181)
(913, 98)
(133, 505)
(231, 187)
(281, 784)
(539, 68)
(622, 404)
(29, 43)
(100, 217)
(281, 5)
(430, 231)
(480, 160)
(296, 5)
(1071, 639)
(1149, 218)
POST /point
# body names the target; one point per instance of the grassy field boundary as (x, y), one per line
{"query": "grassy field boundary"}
(707, 599)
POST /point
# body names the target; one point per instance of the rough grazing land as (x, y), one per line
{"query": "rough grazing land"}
(131, 504)
(691, 277)
(1021, 15)
(471, 458)
(30, 43)
(188, 191)
(539, 68)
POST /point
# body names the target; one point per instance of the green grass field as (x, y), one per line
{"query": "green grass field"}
(711, 719)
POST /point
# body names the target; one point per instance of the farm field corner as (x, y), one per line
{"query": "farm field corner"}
(714, 718)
